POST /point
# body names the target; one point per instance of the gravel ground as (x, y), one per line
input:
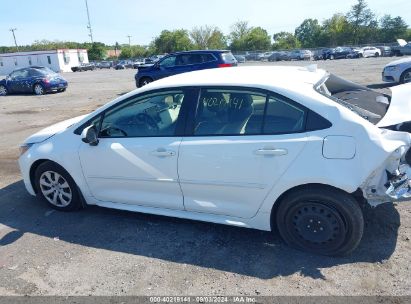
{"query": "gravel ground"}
(99, 251)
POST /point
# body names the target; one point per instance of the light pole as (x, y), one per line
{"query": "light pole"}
(89, 24)
(14, 36)
(129, 41)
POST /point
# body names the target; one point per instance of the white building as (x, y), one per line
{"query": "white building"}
(58, 60)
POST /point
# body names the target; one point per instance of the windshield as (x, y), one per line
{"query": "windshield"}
(369, 104)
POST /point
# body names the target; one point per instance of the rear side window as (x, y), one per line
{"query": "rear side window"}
(228, 57)
(229, 112)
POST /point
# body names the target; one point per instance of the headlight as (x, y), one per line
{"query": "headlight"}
(24, 147)
(392, 68)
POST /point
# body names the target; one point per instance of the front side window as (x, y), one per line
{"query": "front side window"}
(19, 74)
(168, 62)
(229, 112)
(152, 115)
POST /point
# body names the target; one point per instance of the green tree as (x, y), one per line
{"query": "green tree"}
(172, 41)
(337, 30)
(362, 21)
(285, 41)
(208, 37)
(309, 33)
(97, 51)
(392, 28)
(126, 53)
(239, 31)
(257, 39)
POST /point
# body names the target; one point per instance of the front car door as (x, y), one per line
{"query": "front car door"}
(18, 82)
(135, 161)
(242, 142)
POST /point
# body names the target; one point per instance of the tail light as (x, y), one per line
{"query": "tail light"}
(46, 80)
(225, 65)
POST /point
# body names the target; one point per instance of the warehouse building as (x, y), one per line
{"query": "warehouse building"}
(58, 60)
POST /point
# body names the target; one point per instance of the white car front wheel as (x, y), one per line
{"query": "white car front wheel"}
(57, 187)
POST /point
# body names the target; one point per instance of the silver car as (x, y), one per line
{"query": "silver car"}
(398, 71)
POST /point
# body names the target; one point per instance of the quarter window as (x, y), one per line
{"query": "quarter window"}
(153, 115)
(283, 116)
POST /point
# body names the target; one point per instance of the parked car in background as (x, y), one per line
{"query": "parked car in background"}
(182, 62)
(385, 50)
(240, 58)
(402, 48)
(124, 64)
(300, 55)
(371, 51)
(36, 79)
(293, 149)
(341, 53)
(84, 67)
(253, 56)
(104, 65)
(319, 54)
(279, 56)
(265, 56)
(398, 71)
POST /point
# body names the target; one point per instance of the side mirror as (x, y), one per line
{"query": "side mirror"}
(89, 136)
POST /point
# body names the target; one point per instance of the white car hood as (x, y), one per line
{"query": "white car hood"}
(399, 61)
(400, 107)
(46, 133)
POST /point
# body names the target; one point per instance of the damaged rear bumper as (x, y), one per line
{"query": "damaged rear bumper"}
(399, 184)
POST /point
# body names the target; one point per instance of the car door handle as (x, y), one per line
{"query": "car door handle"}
(274, 152)
(163, 153)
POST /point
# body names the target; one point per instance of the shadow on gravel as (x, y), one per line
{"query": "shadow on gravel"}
(243, 251)
(381, 85)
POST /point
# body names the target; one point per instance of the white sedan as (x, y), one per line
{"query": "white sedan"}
(289, 148)
(370, 51)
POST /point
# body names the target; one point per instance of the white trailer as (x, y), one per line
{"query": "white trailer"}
(60, 60)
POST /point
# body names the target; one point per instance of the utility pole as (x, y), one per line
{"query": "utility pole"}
(14, 36)
(129, 41)
(89, 24)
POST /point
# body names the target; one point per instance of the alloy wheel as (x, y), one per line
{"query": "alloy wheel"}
(407, 77)
(55, 189)
(38, 89)
(3, 91)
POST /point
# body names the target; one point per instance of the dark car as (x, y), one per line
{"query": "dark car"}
(182, 62)
(35, 79)
(124, 64)
(340, 53)
(279, 56)
(386, 50)
(84, 67)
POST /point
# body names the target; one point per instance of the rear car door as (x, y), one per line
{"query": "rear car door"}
(135, 161)
(241, 143)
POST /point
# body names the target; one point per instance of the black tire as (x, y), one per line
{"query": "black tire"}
(3, 90)
(41, 180)
(322, 220)
(144, 81)
(406, 76)
(377, 54)
(38, 89)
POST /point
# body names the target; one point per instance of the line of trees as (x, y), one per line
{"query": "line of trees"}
(359, 25)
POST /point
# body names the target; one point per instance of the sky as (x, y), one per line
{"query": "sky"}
(113, 20)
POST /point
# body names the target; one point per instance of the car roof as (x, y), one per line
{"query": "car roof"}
(285, 77)
(199, 52)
